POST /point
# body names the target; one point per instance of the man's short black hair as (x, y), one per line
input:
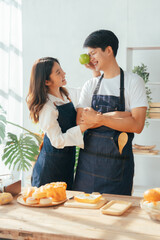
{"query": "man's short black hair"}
(102, 39)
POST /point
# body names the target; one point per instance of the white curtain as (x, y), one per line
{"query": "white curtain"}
(11, 78)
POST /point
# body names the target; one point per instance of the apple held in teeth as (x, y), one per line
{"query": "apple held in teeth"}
(84, 59)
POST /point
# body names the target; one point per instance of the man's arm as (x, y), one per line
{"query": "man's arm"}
(133, 123)
(116, 114)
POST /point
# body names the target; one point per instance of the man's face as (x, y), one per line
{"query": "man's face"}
(98, 58)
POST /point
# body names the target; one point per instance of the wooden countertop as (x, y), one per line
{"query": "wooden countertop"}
(59, 222)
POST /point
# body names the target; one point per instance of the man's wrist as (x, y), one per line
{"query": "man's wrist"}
(99, 118)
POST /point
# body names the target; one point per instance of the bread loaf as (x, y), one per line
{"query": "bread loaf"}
(28, 192)
(46, 194)
(56, 191)
(5, 198)
(152, 198)
(152, 195)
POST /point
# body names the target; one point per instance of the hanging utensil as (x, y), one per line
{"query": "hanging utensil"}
(122, 140)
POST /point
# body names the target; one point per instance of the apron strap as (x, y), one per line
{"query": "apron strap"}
(67, 98)
(98, 85)
(122, 99)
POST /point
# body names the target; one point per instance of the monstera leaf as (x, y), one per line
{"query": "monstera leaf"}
(20, 152)
(2, 124)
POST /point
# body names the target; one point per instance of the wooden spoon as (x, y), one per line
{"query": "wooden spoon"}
(122, 140)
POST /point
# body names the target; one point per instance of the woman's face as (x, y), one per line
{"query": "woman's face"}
(57, 77)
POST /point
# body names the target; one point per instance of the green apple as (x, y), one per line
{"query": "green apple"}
(84, 59)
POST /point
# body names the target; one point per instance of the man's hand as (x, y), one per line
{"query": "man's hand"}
(92, 67)
(89, 115)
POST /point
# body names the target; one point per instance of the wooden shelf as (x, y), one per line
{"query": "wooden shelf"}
(144, 48)
(153, 83)
(153, 119)
(147, 155)
(133, 54)
(131, 49)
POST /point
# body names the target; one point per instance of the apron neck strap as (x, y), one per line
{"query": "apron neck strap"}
(98, 85)
(67, 98)
(122, 99)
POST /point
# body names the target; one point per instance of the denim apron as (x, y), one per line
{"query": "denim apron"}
(55, 164)
(101, 168)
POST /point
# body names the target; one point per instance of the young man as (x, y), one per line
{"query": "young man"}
(115, 102)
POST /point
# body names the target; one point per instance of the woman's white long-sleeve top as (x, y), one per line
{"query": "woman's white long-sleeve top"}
(49, 124)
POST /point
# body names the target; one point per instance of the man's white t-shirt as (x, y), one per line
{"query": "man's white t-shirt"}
(135, 93)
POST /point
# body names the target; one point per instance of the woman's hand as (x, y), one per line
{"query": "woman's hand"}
(85, 120)
(84, 126)
(89, 116)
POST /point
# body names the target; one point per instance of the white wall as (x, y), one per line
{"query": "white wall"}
(58, 28)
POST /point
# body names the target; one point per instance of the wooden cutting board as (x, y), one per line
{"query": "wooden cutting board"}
(116, 207)
(74, 204)
(148, 152)
(143, 147)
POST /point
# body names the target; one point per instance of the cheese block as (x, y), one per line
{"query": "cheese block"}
(88, 198)
(5, 198)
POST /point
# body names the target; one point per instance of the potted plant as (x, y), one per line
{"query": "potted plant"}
(142, 72)
(19, 151)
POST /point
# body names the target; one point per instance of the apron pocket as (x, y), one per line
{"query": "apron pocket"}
(103, 156)
(100, 144)
(109, 169)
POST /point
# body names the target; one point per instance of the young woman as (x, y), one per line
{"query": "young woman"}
(49, 104)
